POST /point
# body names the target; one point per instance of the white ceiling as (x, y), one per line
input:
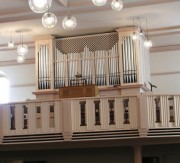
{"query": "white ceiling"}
(163, 21)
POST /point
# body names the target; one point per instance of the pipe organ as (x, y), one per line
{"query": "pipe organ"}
(109, 59)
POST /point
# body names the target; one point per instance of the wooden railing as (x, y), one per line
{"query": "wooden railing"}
(142, 115)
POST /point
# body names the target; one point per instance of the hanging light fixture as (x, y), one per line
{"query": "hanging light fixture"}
(140, 26)
(20, 58)
(11, 43)
(69, 22)
(99, 2)
(49, 20)
(147, 42)
(116, 5)
(40, 6)
(134, 35)
(22, 49)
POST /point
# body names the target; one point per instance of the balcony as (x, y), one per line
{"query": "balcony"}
(91, 118)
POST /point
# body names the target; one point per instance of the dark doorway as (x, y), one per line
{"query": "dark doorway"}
(150, 160)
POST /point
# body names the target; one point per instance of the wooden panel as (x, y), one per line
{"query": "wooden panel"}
(78, 91)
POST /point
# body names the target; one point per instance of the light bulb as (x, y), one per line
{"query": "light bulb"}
(134, 36)
(20, 59)
(141, 32)
(49, 20)
(40, 6)
(116, 5)
(69, 22)
(99, 2)
(10, 44)
(22, 50)
(148, 43)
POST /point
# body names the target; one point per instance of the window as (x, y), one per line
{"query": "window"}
(4, 87)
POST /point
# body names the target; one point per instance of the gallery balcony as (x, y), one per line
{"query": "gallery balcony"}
(90, 119)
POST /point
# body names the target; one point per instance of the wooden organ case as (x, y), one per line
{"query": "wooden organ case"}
(113, 62)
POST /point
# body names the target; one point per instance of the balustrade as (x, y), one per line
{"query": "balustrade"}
(155, 114)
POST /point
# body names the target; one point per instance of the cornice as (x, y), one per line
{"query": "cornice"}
(3, 47)
(165, 73)
(15, 63)
(164, 48)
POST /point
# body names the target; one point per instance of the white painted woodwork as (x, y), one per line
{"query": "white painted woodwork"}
(119, 113)
(133, 113)
(90, 114)
(45, 110)
(19, 118)
(151, 111)
(58, 116)
(75, 114)
(32, 118)
(165, 117)
(104, 112)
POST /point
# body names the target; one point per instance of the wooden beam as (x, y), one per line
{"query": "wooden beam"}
(64, 2)
(164, 48)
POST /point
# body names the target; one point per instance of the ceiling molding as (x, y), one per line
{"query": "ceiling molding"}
(126, 4)
(165, 34)
(3, 47)
(165, 73)
(164, 48)
(147, 3)
(15, 63)
(23, 85)
(165, 28)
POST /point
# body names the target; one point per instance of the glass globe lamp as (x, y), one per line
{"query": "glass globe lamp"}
(22, 49)
(69, 22)
(49, 20)
(20, 59)
(10, 44)
(40, 6)
(148, 43)
(99, 2)
(116, 5)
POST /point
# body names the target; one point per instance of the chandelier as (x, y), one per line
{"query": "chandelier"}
(116, 5)
(69, 22)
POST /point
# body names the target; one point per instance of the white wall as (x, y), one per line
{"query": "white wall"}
(165, 71)
(22, 81)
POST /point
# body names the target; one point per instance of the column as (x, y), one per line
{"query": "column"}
(137, 154)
